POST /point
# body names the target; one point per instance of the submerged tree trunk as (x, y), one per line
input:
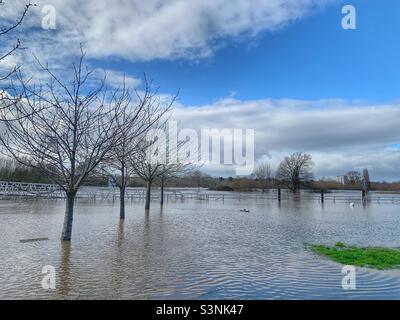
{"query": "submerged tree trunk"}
(148, 196)
(122, 202)
(162, 191)
(122, 193)
(69, 216)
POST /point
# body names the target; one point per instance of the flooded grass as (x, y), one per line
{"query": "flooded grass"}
(370, 257)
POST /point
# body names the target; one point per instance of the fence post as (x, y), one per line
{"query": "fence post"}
(279, 195)
(322, 196)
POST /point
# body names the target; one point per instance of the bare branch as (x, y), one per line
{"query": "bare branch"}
(8, 30)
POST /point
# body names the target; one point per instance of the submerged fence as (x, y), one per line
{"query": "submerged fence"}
(49, 191)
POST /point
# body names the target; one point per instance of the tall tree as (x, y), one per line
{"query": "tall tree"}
(155, 159)
(354, 177)
(295, 171)
(196, 179)
(181, 158)
(139, 114)
(146, 168)
(170, 171)
(366, 182)
(64, 128)
(264, 173)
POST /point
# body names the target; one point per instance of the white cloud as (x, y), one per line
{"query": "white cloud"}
(117, 79)
(139, 30)
(155, 29)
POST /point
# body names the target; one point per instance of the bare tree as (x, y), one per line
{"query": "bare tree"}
(65, 129)
(138, 116)
(181, 158)
(154, 160)
(196, 179)
(264, 173)
(354, 177)
(170, 171)
(5, 30)
(146, 168)
(295, 171)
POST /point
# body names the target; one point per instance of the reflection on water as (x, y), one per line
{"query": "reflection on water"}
(64, 274)
(193, 250)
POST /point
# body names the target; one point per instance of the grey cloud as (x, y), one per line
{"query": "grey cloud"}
(341, 135)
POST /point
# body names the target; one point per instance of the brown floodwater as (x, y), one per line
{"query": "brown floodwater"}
(192, 250)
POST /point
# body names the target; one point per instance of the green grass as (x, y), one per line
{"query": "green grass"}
(377, 258)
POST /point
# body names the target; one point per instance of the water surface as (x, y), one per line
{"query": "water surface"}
(193, 250)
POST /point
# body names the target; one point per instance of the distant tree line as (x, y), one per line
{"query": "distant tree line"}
(11, 170)
(263, 178)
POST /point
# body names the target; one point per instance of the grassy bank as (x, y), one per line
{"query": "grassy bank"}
(371, 257)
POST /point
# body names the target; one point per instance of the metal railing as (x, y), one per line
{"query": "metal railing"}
(52, 191)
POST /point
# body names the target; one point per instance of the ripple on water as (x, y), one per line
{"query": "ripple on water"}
(192, 251)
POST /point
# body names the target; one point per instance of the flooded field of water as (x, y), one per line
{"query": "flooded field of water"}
(193, 250)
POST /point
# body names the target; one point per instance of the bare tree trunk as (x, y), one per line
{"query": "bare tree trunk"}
(122, 193)
(68, 217)
(148, 196)
(122, 202)
(162, 191)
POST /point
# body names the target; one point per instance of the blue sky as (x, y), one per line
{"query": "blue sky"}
(285, 68)
(313, 58)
